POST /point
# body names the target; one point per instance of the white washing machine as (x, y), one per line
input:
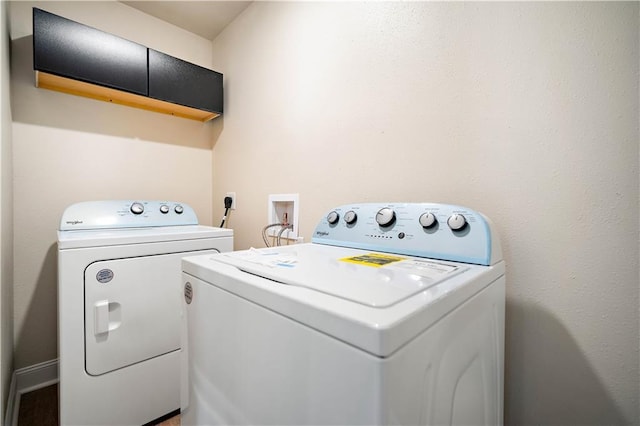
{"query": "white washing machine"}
(119, 307)
(393, 314)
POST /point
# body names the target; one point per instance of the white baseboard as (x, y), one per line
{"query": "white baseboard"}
(25, 380)
(11, 403)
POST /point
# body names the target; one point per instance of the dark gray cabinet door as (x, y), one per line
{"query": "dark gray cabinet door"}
(69, 49)
(174, 80)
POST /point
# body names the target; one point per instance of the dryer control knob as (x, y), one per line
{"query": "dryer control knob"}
(350, 217)
(457, 222)
(137, 208)
(178, 209)
(428, 220)
(333, 217)
(386, 216)
(164, 209)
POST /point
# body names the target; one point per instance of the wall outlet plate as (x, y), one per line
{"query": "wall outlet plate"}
(233, 197)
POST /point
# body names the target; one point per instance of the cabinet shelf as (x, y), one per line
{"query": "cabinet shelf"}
(80, 88)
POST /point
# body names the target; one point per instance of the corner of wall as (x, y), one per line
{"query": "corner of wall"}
(6, 219)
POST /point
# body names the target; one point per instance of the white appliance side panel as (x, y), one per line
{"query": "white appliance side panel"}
(452, 374)
(249, 365)
(132, 310)
(243, 364)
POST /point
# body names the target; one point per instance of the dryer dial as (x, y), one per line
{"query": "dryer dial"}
(137, 208)
(178, 209)
(164, 209)
(386, 216)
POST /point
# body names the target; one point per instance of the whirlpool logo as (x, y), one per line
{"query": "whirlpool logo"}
(322, 233)
(74, 222)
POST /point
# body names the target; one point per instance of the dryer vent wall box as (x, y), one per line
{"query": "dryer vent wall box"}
(73, 58)
(119, 307)
(402, 306)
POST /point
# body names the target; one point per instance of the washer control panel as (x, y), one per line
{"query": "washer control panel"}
(114, 214)
(431, 230)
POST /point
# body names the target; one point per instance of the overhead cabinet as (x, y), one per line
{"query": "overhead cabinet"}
(68, 49)
(174, 80)
(80, 60)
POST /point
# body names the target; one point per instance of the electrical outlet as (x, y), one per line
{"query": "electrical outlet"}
(284, 207)
(233, 198)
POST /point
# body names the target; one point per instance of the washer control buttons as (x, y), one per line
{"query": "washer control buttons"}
(457, 222)
(333, 217)
(428, 220)
(137, 208)
(350, 217)
(385, 217)
(164, 209)
(178, 209)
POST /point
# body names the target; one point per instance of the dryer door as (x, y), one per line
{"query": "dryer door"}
(132, 310)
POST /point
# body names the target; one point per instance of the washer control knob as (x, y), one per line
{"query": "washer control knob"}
(457, 222)
(137, 208)
(178, 209)
(428, 220)
(164, 209)
(333, 217)
(386, 216)
(350, 217)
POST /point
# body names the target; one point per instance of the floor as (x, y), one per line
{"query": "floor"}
(40, 408)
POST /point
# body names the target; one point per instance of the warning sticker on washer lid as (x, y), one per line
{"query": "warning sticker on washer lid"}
(428, 268)
(373, 259)
(269, 259)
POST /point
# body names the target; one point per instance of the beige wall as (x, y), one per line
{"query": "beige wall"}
(6, 221)
(525, 111)
(69, 149)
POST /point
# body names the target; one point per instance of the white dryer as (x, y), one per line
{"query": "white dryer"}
(393, 314)
(119, 307)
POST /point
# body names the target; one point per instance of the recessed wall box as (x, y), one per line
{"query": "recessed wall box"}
(283, 208)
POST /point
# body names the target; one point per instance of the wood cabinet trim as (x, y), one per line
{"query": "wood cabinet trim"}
(79, 88)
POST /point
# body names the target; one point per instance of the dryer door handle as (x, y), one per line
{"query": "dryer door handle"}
(101, 317)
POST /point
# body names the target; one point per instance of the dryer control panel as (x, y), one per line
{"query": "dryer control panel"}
(114, 214)
(431, 230)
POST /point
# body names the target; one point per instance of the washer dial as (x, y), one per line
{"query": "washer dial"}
(333, 217)
(428, 220)
(386, 216)
(457, 222)
(137, 208)
(178, 209)
(350, 217)
(164, 209)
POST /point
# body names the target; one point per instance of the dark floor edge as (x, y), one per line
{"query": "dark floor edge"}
(163, 418)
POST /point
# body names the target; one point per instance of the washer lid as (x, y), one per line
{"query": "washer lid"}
(317, 286)
(373, 279)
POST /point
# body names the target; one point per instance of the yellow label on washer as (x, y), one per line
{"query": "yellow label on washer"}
(373, 259)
